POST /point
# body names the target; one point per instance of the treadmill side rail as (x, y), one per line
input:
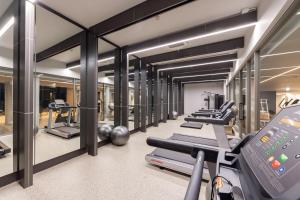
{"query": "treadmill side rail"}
(185, 147)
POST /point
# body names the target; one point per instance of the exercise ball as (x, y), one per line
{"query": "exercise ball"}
(104, 131)
(175, 115)
(119, 135)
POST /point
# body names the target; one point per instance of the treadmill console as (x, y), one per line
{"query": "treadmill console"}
(274, 153)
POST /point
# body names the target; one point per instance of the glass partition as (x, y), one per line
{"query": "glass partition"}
(280, 69)
(6, 89)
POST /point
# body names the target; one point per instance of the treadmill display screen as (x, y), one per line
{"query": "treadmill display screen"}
(274, 153)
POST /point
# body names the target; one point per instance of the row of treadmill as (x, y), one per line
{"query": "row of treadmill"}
(260, 166)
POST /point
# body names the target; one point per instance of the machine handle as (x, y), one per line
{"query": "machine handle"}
(178, 146)
(185, 147)
(194, 187)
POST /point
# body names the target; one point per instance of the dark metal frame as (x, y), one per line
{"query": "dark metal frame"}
(137, 94)
(143, 96)
(150, 95)
(170, 86)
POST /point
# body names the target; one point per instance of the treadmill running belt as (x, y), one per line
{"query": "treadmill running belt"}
(69, 130)
(195, 125)
(173, 155)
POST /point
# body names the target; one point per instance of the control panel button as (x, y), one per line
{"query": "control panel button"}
(282, 158)
(284, 147)
(265, 138)
(275, 164)
(281, 170)
(271, 159)
(297, 156)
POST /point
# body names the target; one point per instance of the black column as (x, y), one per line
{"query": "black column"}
(88, 86)
(117, 88)
(179, 98)
(170, 97)
(156, 97)
(165, 97)
(143, 96)
(23, 63)
(150, 94)
(124, 87)
(137, 67)
(182, 98)
(176, 96)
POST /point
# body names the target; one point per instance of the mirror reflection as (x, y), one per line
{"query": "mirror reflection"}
(6, 89)
(280, 70)
(105, 90)
(56, 89)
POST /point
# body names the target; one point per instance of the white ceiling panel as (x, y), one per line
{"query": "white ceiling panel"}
(183, 17)
(4, 4)
(51, 29)
(90, 12)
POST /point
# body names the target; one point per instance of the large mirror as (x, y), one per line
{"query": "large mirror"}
(134, 82)
(105, 89)
(56, 89)
(7, 137)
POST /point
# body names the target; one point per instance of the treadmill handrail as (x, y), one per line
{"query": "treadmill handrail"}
(186, 147)
(194, 187)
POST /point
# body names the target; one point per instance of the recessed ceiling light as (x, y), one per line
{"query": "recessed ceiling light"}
(287, 89)
(199, 75)
(106, 59)
(99, 61)
(194, 38)
(6, 26)
(281, 74)
(200, 64)
(279, 54)
(216, 80)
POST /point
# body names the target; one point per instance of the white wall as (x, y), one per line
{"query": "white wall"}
(193, 95)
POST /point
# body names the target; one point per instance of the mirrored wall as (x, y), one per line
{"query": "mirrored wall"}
(56, 89)
(7, 137)
(106, 89)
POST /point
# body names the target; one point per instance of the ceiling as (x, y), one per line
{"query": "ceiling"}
(51, 29)
(186, 16)
(90, 12)
(4, 5)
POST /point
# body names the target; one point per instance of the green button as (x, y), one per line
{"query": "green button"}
(282, 158)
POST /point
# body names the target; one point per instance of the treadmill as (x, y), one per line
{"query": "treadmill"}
(62, 129)
(264, 166)
(4, 149)
(214, 113)
(183, 163)
(213, 110)
(191, 123)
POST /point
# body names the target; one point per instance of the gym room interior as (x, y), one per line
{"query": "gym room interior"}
(149, 99)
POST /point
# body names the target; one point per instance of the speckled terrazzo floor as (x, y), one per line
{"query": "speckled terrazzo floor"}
(116, 173)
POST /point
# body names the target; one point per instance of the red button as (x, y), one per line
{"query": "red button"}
(275, 164)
